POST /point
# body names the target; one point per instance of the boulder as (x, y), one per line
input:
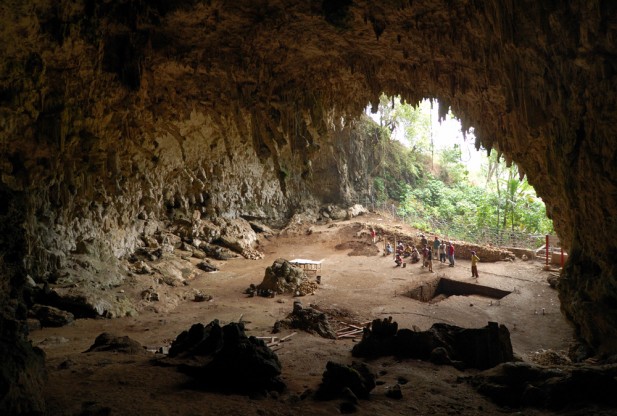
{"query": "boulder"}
(480, 348)
(306, 319)
(518, 384)
(225, 359)
(282, 277)
(206, 266)
(338, 379)
(110, 342)
(48, 316)
(356, 210)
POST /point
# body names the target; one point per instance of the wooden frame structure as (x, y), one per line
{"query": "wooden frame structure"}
(309, 266)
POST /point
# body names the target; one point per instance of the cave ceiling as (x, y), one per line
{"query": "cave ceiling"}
(95, 96)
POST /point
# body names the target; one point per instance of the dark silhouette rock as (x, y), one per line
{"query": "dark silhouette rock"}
(339, 379)
(110, 342)
(225, 359)
(480, 348)
(52, 317)
(524, 384)
(306, 319)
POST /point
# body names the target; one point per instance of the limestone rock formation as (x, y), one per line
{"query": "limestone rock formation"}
(282, 277)
(120, 118)
(225, 359)
(339, 378)
(442, 344)
(306, 319)
(524, 384)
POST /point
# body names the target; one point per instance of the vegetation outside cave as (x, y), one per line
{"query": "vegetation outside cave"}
(435, 189)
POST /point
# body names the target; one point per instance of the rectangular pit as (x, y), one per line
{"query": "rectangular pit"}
(442, 288)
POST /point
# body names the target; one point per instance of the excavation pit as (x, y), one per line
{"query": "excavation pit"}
(441, 288)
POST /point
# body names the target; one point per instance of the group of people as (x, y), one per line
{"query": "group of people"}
(444, 250)
(441, 250)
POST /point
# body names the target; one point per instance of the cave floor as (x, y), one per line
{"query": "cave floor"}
(355, 289)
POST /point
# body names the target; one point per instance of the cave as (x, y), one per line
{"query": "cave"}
(118, 117)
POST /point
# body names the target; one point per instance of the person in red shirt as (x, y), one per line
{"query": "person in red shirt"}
(450, 248)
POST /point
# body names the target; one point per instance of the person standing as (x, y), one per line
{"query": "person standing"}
(474, 264)
(436, 244)
(373, 235)
(429, 260)
(425, 257)
(450, 254)
(442, 252)
(423, 240)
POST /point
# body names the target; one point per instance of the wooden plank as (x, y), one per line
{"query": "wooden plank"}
(354, 333)
(287, 337)
(268, 339)
(351, 325)
(350, 335)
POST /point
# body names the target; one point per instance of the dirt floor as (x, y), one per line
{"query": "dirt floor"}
(354, 288)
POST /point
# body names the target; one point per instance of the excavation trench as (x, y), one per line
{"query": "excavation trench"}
(441, 288)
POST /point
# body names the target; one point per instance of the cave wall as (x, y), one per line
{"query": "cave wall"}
(117, 116)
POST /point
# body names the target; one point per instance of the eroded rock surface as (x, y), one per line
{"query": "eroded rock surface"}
(119, 119)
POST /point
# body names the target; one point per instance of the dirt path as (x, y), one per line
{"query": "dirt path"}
(359, 288)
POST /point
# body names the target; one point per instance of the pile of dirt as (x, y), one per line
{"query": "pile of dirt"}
(114, 343)
(359, 248)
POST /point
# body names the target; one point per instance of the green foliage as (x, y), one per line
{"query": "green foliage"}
(443, 199)
(451, 169)
(393, 164)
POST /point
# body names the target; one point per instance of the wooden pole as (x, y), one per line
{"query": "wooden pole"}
(547, 249)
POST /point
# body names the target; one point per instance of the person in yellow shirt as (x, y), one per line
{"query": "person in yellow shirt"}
(474, 264)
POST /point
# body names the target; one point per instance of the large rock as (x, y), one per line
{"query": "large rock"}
(50, 316)
(225, 359)
(282, 277)
(337, 378)
(114, 343)
(480, 348)
(306, 319)
(524, 384)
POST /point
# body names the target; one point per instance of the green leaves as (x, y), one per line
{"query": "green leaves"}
(440, 196)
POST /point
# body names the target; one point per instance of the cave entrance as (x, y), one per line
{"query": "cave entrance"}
(441, 288)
